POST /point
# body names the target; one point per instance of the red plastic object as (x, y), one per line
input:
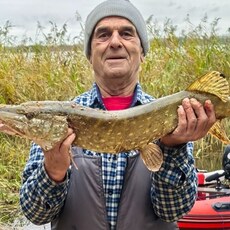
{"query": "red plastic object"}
(208, 214)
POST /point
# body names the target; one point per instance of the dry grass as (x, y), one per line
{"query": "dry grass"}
(51, 70)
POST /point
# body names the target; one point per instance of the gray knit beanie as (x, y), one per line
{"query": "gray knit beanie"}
(122, 8)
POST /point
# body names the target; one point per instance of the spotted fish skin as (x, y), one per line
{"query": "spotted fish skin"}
(111, 131)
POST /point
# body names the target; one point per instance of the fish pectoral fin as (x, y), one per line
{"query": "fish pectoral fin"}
(152, 156)
(217, 130)
(214, 83)
(9, 130)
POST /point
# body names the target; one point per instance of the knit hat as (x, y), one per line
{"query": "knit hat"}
(122, 8)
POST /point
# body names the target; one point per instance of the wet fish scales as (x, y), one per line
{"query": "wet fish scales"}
(111, 132)
(127, 131)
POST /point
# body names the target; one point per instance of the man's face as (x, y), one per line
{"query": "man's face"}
(116, 50)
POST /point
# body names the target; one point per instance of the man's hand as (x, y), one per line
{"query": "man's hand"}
(57, 160)
(194, 121)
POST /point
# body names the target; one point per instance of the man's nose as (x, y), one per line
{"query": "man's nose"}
(116, 40)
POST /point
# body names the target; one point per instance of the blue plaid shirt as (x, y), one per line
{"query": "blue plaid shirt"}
(173, 189)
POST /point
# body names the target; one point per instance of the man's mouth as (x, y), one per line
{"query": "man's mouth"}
(115, 58)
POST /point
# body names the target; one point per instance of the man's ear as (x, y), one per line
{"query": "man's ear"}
(142, 56)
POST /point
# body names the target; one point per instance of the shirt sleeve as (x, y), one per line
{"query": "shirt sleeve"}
(41, 199)
(174, 186)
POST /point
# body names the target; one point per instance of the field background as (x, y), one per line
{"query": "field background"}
(55, 68)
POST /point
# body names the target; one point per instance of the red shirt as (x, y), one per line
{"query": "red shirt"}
(117, 103)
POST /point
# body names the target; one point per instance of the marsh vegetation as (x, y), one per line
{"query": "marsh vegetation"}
(54, 68)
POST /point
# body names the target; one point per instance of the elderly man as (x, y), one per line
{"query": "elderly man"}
(116, 191)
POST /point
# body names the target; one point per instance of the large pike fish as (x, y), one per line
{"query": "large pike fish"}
(46, 122)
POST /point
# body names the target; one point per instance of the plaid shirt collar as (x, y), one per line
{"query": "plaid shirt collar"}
(95, 98)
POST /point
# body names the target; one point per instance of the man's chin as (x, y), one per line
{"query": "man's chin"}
(116, 73)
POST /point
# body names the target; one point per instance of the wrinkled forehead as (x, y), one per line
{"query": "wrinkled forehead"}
(115, 22)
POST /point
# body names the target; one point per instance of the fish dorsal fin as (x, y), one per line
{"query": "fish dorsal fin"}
(217, 130)
(214, 83)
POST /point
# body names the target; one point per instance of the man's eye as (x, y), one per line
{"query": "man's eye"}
(103, 35)
(126, 34)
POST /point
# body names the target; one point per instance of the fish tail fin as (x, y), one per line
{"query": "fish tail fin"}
(217, 130)
(214, 83)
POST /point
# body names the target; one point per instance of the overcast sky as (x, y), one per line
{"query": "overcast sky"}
(24, 14)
